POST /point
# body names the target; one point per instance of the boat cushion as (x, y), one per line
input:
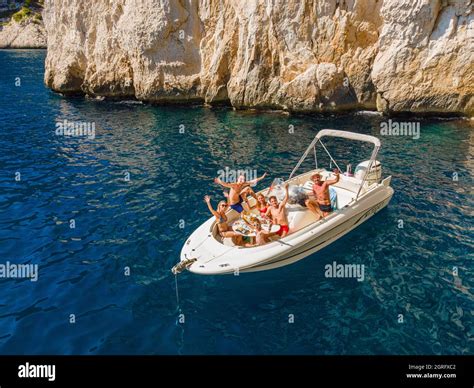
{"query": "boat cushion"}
(333, 197)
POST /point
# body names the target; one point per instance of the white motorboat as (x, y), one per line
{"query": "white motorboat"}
(357, 198)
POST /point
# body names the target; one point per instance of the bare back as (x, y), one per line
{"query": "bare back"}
(261, 237)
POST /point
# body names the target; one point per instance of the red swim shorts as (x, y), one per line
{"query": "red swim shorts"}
(283, 228)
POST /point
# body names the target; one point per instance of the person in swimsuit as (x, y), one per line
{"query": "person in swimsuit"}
(262, 205)
(239, 191)
(321, 205)
(277, 212)
(221, 220)
(261, 236)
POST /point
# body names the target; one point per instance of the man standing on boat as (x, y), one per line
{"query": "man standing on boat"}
(239, 191)
(321, 205)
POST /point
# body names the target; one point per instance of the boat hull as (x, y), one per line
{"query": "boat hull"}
(320, 242)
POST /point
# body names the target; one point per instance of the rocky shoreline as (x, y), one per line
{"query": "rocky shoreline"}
(300, 56)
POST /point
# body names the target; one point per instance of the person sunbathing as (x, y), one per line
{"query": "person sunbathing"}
(239, 191)
(221, 219)
(277, 213)
(321, 204)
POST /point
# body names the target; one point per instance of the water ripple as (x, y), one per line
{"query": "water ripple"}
(111, 271)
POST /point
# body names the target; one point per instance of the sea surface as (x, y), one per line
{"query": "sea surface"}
(104, 217)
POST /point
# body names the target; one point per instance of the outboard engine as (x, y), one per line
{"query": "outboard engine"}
(373, 176)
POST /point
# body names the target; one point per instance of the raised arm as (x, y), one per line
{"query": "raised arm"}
(211, 209)
(268, 213)
(256, 180)
(222, 183)
(285, 200)
(333, 181)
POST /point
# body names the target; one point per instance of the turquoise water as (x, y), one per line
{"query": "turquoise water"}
(137, 224)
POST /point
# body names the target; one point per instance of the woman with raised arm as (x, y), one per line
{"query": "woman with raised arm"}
(221, 220)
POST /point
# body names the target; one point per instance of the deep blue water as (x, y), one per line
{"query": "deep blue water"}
(136, 223)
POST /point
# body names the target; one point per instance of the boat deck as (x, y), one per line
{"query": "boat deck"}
(298, 216)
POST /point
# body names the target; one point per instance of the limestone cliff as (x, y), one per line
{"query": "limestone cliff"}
(28, 33)
(299, 55)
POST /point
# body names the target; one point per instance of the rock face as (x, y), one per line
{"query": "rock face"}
(299, 55)
(26, 34)
(425, 59)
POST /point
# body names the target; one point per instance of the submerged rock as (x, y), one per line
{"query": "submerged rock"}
(311, 55)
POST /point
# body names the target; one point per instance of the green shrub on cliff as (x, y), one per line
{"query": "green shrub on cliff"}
(37, 18)
(23, 13)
